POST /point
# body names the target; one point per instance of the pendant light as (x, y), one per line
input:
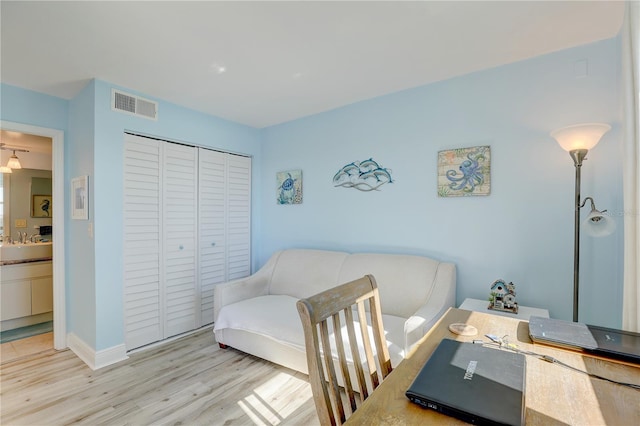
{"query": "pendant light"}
(14, 162)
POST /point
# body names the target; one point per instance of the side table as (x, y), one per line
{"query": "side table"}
(524, 312)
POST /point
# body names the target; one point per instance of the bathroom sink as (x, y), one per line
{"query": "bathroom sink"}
(11, 252)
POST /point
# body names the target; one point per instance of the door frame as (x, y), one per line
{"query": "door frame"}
(57, 175)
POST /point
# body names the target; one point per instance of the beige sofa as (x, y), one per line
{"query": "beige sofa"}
(258, 314)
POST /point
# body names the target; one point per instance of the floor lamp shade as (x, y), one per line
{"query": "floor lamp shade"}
(580, 136)
(598, 225)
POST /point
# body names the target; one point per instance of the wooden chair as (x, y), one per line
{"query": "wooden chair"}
(333, 310)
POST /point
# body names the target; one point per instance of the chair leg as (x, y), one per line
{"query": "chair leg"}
(222, 346)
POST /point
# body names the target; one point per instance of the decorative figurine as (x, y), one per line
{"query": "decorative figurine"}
(503, 297)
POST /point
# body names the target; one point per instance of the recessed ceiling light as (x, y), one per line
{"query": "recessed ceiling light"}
(218, 69)
(297, 75)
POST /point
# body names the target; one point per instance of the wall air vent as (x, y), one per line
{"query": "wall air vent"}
(135, 105)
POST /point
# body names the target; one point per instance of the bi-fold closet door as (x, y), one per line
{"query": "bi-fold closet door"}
(225, 222)
(186, 228)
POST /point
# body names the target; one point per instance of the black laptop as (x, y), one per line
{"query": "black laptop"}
(473, 383)
(600, 341)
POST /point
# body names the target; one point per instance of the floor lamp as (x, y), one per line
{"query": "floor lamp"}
(578, 140)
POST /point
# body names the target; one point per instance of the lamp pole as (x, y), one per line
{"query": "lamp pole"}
(578, 140)
(578, 155)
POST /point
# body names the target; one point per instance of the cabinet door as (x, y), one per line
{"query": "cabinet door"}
(141, 256)
(212, 206)
(15, 299)
(238, 216)
(41, 295)
(179, 231)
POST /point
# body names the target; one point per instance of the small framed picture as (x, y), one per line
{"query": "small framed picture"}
(464, 172)
(289, 189)
(41, 206)
(80, 198)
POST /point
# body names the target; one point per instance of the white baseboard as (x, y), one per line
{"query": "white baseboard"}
(95, 359)
(170, 339)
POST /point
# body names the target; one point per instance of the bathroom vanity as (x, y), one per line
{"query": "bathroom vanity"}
(26, 288)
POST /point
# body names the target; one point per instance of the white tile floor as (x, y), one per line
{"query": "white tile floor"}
(20, 348)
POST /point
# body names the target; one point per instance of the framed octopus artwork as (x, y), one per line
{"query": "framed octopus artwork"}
(289, 187)
(464, 172)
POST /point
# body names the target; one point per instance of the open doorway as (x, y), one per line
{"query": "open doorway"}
(44, 219)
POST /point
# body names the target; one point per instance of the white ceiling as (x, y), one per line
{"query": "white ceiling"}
(283, 60)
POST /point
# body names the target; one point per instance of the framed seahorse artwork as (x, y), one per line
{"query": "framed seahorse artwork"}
(289, 190)
(41, 206)
(464, 172)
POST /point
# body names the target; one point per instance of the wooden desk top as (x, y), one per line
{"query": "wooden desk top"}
(555, 395)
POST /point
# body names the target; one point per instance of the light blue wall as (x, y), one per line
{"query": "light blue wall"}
(80, 248)
(94, 146)
(522, 232)
(36, 109)
(174, 123)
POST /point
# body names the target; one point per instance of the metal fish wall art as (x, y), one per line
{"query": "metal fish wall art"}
(365, 176)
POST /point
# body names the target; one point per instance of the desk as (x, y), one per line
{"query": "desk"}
(555, 395)
(524, 312)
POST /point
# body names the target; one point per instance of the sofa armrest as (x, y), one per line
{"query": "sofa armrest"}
(237, 290)
(244, 288)
(442, 297)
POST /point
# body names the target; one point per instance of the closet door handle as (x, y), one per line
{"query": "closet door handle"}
(213, 244)
(181, 247)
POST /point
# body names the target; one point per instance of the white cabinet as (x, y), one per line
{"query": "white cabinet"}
(26, 289)
(524, 312)
(16, 299)
(187, 228)
(41, 295)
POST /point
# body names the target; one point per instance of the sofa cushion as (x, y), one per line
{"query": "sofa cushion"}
(404, 282)
(273, 316)
(276, 317)
(303, 273)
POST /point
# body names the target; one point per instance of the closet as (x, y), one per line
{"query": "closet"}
(187, 222)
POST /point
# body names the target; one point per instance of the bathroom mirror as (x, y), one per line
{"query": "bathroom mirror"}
(20, 187)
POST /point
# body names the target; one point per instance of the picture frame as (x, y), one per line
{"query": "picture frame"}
(41, 206)
(464, 172)
(289, 187)
(80, 198)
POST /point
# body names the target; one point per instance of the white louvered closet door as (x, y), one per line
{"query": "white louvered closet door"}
(213, 247)
(187, 225)
(142, 257)
(238, 216)
(179, 233)
(225, 222)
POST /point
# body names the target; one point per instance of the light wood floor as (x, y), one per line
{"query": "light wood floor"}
(190, 381)
(11, 351)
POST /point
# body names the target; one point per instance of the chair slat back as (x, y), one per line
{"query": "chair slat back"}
(325, 316)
